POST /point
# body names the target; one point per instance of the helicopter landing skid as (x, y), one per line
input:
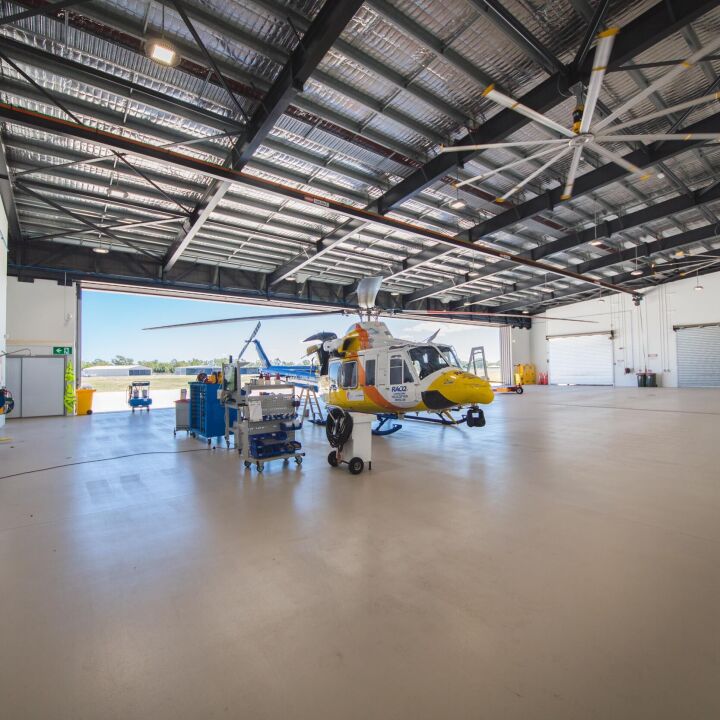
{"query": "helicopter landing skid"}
(383, 419)
(443, 418)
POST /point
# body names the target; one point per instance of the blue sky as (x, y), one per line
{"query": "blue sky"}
(113, 322)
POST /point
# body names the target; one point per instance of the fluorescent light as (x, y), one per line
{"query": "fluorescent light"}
(680, 253)
(457, 204)
(115, 193)
(698, 288)
(596, 242)
(661, 176)
(636, 272)
(101, 250)
(162, 51)
(525, 312)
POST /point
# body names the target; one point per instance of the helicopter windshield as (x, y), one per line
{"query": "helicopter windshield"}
(450, 355)
(426, 360)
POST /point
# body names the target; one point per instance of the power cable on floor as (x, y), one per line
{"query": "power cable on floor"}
(96, 460)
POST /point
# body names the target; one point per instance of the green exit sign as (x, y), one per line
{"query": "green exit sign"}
(62, 350)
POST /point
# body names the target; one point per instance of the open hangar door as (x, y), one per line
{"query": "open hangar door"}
(698, 355)
(581, 359)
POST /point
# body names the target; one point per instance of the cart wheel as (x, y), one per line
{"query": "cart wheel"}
(286, 461)
(89, 412)
(209, 441)
(192, 434)
(260, 467)
(298, 459)
(247, 465)
(332, 459)
(519, 390)
(356, 466)
(133, 410)
(174, 432)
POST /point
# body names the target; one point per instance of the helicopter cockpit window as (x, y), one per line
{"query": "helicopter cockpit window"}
(427, 360)
(333, 371)
(399, 371)
(348, 375)
(448, 352)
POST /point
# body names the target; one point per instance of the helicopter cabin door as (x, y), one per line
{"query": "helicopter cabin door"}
(404, 389)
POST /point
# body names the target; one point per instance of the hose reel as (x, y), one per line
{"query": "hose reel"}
(338, 427)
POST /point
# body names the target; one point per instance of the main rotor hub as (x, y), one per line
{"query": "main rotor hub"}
(581, 140)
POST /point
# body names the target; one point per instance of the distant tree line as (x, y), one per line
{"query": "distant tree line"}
(168, 366)
(157, 366)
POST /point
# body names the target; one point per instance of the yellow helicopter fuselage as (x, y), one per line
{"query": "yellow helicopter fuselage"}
(372, 372)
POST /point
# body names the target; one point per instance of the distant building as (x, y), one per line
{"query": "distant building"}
(196, 369)
(116, 371)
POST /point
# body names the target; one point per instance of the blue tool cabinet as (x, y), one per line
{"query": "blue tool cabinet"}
(207, 414)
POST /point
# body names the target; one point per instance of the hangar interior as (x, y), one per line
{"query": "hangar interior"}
(546, 167)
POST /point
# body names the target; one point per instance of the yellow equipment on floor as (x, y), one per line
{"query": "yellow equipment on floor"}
(525, 374)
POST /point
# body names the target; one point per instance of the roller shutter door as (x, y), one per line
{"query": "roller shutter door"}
(581, 360)
(698, 354)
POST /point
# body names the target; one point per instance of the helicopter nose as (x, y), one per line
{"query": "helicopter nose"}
(462, 388)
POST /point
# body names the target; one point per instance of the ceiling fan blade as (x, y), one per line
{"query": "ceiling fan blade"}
(278, 316)
(660, 82)
(497, 146)
(496, 171)
(667, 111)
(572, 172)
(653, 137)
(494, 314)
(621, 161)
(606, 40)
(533, 175)
(511, 104)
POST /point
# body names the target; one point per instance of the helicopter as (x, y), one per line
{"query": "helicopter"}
(368, 370)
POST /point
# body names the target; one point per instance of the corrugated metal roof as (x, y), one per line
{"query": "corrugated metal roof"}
(379, 82)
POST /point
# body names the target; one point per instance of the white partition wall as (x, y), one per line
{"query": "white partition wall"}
(645, 337)
(40, 316)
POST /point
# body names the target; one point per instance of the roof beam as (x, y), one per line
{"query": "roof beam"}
(42, 10)
(116, 85)
(645, 157)
(698, 235)
(8, 196)
(658, 23)
(605, 229)
(510, 26)
(322, 33)
(223, 173)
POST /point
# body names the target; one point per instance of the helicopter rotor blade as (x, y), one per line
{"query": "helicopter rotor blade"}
(434, 313)
(220, 321)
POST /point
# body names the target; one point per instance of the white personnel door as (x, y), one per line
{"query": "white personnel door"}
(581, 360)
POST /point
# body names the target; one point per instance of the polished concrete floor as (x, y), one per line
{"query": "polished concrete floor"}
(562, 562)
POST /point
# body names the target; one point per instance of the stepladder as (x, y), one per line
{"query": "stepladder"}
(310, 406)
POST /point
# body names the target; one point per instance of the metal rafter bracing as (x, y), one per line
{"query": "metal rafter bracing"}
(642, 250)
(319, 38)
(648, 29)
(510, 26)
(7, 195)
(217, 172)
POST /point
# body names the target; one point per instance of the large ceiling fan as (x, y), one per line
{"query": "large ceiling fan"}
(587, 131)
